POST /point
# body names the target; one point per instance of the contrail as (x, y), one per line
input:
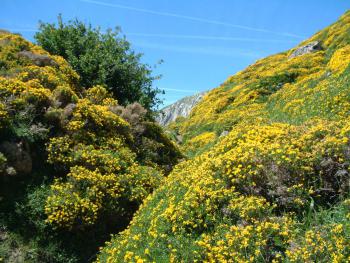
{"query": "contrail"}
(241, 39)
(192, 18)
(206, 50)
(194, 37)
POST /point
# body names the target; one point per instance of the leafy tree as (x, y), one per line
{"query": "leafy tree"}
(101, 58)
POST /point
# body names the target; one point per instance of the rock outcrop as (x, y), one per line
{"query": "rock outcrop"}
(18, 157)
(181, 108)
(37, 59)
(308, 48)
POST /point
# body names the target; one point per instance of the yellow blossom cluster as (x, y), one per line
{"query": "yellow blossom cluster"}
(247, 243)
(89, 116)
(278, 88)
(104, 174)
(340, 59)
(269, 190)
(241, 185)
(200, 141)
(326, 243)
(90, 149)
(3, 114)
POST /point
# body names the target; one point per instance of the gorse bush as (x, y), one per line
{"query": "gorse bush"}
(101, 58)
(269, 180)
(80, 159)
(74, 165)
(280, 88)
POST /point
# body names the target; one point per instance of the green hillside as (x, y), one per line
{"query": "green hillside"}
(261, 175)
(74, 164)
(276, 187)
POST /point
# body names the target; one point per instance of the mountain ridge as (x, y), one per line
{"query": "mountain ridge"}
(180, 108)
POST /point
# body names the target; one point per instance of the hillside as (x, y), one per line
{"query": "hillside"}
(269, 177)
(180, 108)
(74, 164)
(286, 87)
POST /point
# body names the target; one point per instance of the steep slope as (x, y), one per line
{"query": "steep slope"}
(74, 165)
(276, 187)
(180, 108)
(282, 87)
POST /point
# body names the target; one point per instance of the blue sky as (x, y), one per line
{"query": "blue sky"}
(202, 42)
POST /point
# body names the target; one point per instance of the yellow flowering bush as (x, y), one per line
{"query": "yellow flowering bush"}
(89, 161)
(104, 177)
(254, 174)
(271, 190)
(92, 117)
(3, 115)
(79, 200)
(340, 59)
(259, 242)
(97, 94)
(279, 88)
(200, 141)
(331, 244)
(267, 181)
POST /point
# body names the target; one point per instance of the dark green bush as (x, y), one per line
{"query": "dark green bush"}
(101, 59)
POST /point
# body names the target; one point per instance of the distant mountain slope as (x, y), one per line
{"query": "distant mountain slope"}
(291, 86)
(269, 180)
(180, 108)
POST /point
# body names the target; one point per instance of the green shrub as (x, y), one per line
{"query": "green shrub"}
(101, 59)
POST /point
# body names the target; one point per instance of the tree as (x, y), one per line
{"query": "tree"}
(101, 58)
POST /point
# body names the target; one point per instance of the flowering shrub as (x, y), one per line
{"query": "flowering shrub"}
(242, 198)
(200, 141)
(279, 88)
(272, 189)
(3, 114)
(74, 163)
(75, 166)
(78, 201)
(340, 59)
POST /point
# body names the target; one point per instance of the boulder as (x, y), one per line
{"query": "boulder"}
(18, 157)
(224, 133)
(308, 48)
(179, 138)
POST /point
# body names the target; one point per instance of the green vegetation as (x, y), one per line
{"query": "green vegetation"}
(101, 58)
(74, 164)
(266, 178)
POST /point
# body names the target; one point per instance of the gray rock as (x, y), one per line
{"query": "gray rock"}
(308, 48)
(342, 173)
(181, 108)
(17, 156)
(39, 60)
(68, 110)
(179, 138)
(224, 133)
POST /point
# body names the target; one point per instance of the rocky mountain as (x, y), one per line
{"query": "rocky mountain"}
(180, 108)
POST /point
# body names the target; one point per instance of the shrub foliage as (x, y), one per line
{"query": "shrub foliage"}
(74, 165)
(269, 180)
(101, 58)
